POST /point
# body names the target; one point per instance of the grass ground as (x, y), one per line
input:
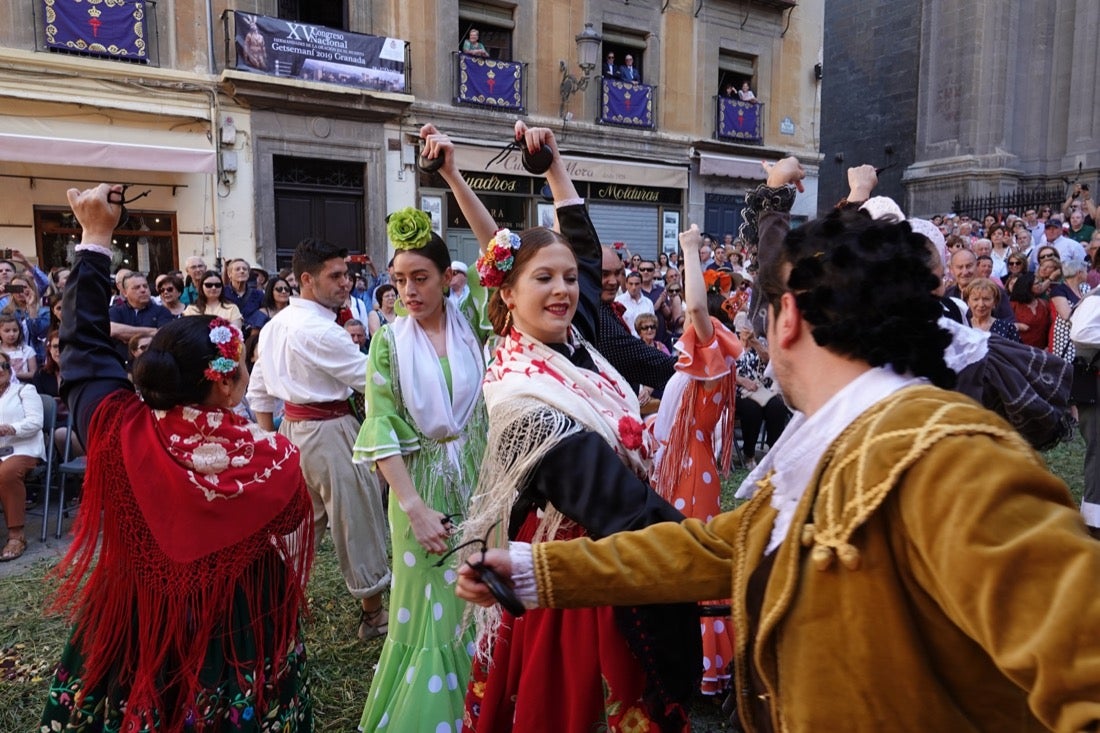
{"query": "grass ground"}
(30, 642)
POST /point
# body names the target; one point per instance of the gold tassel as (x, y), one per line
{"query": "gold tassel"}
(849, 556)
(807, 535)
(822, 557)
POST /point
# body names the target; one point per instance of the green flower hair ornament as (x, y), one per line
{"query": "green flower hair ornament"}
(409, 228)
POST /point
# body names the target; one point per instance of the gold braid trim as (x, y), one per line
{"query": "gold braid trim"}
(844, 502)
(543, 583)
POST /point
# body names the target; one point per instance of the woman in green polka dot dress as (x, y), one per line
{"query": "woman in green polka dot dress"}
(425, 430)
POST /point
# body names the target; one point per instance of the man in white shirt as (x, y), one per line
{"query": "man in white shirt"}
(1068, 249)
(634, 301)
(309, 362)
(459, 287)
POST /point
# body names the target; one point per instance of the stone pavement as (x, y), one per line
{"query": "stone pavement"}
(52, 549)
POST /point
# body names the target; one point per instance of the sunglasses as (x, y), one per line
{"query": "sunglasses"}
(1015, 264)
(212, 286)
(647, 328)
(674, 291)
(645, 269)
(282, 289)
(166, 288)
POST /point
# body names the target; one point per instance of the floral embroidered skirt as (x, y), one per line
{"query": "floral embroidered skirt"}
(221, 706)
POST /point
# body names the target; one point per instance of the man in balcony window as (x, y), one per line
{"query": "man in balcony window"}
(610, 70)
(629, 72)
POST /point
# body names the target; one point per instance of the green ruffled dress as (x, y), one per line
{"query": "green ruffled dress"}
(420, 683)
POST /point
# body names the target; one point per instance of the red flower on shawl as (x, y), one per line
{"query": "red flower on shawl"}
(630, 431)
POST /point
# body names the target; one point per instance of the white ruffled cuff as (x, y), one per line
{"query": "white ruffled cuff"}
(569, 202)
(523, 574)
(97, 248)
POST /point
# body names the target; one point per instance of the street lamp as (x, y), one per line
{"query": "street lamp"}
(588, 50)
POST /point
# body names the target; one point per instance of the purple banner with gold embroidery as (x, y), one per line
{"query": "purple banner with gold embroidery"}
(739, 120)
(105, 27)
(626, 103)
(489, 82)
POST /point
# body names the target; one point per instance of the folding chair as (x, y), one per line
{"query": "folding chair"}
(69, 467)
(49, 423)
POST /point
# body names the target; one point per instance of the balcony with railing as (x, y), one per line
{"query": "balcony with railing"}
(117, 31)
(490, 83)
(627, 104)
(738, 121)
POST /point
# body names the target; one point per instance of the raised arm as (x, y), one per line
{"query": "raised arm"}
(695, 288)
(90, 367)
(481, 221)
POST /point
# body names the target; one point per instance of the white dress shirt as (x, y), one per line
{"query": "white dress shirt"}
(305, 357)
(634, 308)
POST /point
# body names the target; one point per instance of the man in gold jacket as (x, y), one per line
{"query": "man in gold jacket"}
(906, 562)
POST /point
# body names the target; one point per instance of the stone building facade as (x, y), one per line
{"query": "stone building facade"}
(243, 162)
(973, 98)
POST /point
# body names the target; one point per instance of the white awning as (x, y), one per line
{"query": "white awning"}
(731, 166)
(87, 144)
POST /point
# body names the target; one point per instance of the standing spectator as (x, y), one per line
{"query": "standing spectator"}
(1067, 248)
(472, 45)
(1000, 249)
(386, 298)
(169, 288)
(212, 300)
(1078, 230)
(629, 72)
(657, 295)
(137, 314)
(33, 318)
(195, 267)
(609, 70)
(276, 297)
(1032, 314)
(982, 295)
(358, 333)
(239, 291)
(1034, 226)
(458, 290)
(634, 301)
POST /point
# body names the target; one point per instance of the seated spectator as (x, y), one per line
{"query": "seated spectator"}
(23, 447)
(757, 405)
(358, 333)
(211, 300)
(33, 318)
(646, 327)
(1031, 312)
(982, 296)
(745, 93)
(47, 381)
(1016, 264)
(169, 288)
(385, 297)
(20, 358)
(276, 297)
(137, 314)
(239, 290)
(472, 45)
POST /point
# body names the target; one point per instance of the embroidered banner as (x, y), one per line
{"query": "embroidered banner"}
(103, 27)
(739, 120)
(626, 103)
(316, 53)
(489, 82)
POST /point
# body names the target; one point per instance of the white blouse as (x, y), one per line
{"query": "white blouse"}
(21, 407)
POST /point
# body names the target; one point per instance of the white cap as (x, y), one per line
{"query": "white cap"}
(459, 266)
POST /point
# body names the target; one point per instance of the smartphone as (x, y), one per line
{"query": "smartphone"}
(9, 288)
(6, 254)
(358, 259)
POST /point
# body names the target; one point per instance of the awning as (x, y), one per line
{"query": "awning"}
(474, 158)
(731, 166)
(87, 144)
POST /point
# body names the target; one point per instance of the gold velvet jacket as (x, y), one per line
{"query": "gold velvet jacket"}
(936, 577)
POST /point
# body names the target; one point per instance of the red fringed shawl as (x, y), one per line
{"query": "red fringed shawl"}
(187, 507)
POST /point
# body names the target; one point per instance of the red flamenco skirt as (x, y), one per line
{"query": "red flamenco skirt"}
(558, 671)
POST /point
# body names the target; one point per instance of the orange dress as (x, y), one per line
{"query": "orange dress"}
(696, 486)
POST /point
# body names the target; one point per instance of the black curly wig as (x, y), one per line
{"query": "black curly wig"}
(865, 289)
